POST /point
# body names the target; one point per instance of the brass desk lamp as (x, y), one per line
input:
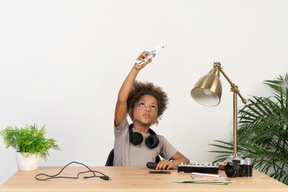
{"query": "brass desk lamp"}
(208, 90)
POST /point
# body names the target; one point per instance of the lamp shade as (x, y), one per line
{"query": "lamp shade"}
(208, 90)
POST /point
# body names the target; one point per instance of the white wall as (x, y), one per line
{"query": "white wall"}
(62, 63)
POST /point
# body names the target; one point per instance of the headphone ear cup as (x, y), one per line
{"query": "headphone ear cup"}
(152, 141)
(136, 138)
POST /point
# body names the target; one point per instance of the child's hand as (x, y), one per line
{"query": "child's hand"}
(142, 57)
(165, 164)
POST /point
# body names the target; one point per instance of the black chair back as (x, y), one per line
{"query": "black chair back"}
(110, 158)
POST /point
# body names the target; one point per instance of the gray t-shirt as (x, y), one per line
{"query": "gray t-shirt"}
(127, 154)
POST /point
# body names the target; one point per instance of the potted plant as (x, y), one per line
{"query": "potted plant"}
(263, 132)
(30, 143)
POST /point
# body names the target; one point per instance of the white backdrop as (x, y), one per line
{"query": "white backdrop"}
(63, 62)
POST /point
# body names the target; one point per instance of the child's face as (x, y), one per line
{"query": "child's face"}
(145, 110)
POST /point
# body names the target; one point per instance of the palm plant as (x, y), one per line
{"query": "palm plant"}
(263, 132)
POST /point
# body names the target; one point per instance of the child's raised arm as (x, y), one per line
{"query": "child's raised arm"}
(121, 105)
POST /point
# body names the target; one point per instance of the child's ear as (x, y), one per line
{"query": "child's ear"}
(130, 112)
(156, 121)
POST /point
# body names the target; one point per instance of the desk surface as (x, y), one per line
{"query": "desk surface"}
(133, 179)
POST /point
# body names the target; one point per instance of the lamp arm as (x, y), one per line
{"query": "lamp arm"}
(234, 87)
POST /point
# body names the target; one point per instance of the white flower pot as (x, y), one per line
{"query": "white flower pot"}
(27, 162)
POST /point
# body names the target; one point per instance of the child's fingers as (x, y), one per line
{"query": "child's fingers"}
(144, 58)
(149, 60)
(164, 164)
(143, 55)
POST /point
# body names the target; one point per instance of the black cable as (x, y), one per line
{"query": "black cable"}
(56, 176)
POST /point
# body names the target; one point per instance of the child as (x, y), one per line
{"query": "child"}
(144, 103)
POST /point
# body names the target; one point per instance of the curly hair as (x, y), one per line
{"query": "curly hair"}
(139, 89)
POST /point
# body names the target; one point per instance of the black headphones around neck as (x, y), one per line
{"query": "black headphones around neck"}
(136, 138)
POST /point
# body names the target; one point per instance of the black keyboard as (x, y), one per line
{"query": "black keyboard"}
(198, 167)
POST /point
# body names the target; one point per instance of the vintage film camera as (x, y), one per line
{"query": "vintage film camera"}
(238, 167)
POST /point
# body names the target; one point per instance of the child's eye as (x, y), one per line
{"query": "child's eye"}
(141, 104)
(153, 107)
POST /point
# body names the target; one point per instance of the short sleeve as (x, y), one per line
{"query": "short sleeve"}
(167, 150)
(123, 125)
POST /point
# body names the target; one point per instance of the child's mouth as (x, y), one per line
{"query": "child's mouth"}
(146, 115)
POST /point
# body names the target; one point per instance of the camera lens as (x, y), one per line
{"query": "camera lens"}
(233, 170)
